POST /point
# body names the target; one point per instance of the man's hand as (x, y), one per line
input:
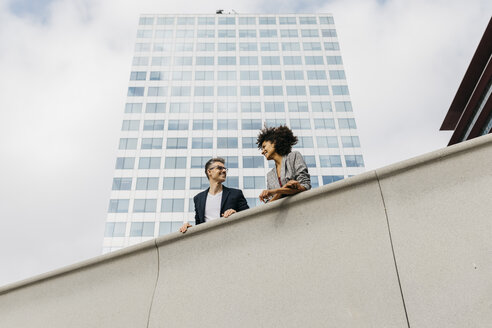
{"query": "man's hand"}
(184, 227)
(265, 195)
(228, 213)
(292, 184)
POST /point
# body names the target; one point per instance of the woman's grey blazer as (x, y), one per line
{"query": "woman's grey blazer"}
(293, 168)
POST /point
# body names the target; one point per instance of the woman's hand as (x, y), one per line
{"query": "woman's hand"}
(265, 195)
(292, 184)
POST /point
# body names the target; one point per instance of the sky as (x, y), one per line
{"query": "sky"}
(65, 66)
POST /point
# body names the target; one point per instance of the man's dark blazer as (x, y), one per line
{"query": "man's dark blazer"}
(231, 199)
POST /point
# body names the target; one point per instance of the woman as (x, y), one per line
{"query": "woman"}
(290, 175)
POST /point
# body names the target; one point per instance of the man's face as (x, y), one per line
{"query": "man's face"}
(217, 172)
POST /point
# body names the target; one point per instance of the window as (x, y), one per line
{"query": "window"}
(118, 205)
(346, 123)
(204, 75)
(249, 75)
(275, 122)
(147, 183)
(316, 75)
(294, 75)
(153, 125)
(254, 182)
(231, 162)
(292, 60)
(125, 163)
(227, 20)
(166, 227)
(269, 46)
(174, 183)
(311, 46)
(334, 60)
(326, 20)
(287, 20)
(199, 183)
(247, 34)
(122, 184)
(253, 162)
(146, 21)
(158, 76)
(274, 107)
(182, 76)
(267, 20)
(327, 179)
(227, 91)
(203, 107)
(181, 91)
(354, 161)
(226, 142)
(249, 107)
(248, 60)
(330, 161)
(226, 60)
(165, 20)
(204, 61)
(270, 90)
(249, 142)
(227, 33)
(177, 143)
(130, 125)
(178, 125)
(161, 46)
(314, 181)
(226, 107)
(321, 106)
(324, 123)
(205, 33)
(309, 33)
(155, 108)
(291, 46)
(331, 33)
(205, 46)
(314, 60)
(140, 61)
(310, 161)
(318, 90)
(203, 124)
(289, 33)
(151, 143)
(272, 75)
(202, 143)
(304, 142)
(144, 34)
(232, 182)
(163, 34)
(172, 205)
(327, 142)
(248, 46)
(307, 20)
(331, 46)
(251, 124)
(186, 20)
(227, 46)
(142, 229)
(133, 108)
(198, 162)
(350, 141)
(138, 76)
(183, 61)
(184, 46)
(340, 90)
(224, 124)
(299, 106)
(115, 229)
(337, 75)
(175, 163)
(268, 33)
(296, 90)
(226, 75)
(135, 91)
(157, 91)
(300, 124)
(343, 106)
(247, 20)
(270, 60)
(204, 91)
(160, 61)
(128, 143)
(250, 91)
(149, 163)
(206, 20)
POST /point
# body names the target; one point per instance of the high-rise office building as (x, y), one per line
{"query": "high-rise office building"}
(203, 86)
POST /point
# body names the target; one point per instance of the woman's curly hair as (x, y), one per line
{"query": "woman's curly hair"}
(281, 136)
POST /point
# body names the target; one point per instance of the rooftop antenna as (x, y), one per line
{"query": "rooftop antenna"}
(234, 11)
(219, 11)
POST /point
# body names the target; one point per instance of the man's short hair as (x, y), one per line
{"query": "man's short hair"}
(211, 161)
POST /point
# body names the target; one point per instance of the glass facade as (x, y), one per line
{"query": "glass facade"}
(202, 86)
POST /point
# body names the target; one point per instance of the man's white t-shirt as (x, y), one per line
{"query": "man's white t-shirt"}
(212, 206)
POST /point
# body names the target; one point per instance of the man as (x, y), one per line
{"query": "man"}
(217, 200)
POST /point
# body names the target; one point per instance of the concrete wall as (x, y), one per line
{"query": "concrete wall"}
(403, 246)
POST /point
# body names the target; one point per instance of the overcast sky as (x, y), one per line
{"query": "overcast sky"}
(64, 70)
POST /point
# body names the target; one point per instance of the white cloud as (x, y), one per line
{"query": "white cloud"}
(63, 86)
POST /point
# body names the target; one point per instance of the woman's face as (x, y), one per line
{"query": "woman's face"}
(268, 149)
